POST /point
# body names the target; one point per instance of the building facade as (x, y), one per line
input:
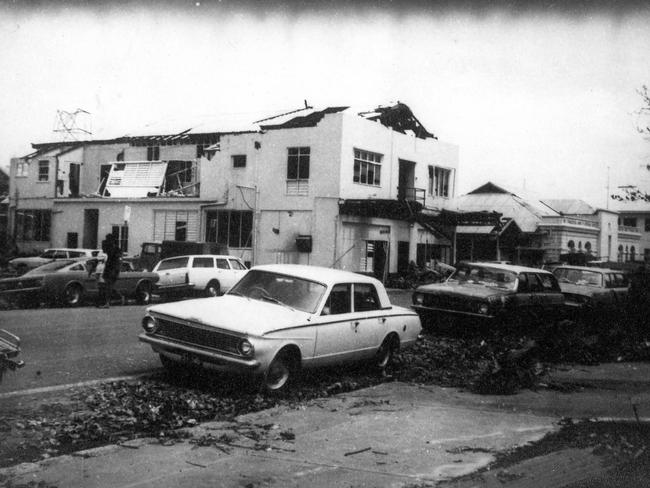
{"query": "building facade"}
(279, 192)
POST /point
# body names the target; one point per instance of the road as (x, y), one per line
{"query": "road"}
(63, 346)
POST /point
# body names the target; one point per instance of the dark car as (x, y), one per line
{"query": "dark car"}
(491, 294)
(593, 293)
(70, 282)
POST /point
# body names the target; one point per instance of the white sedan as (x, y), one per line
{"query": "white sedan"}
(279, 319)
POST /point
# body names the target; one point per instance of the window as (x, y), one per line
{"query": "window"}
(153, 153)
(234, 264)
(43, 170)
(365, 297)
(121, 233)
(200, 150)
(239, 161)
(168, 223)
(232, 228)
(339, 300)
(629, 221)
(222, 263)
(298, 171)
(173, 263)
(22, 169)
(203, 263)
(439, 181)
(647, 224)
(367, 168)
(33, 225)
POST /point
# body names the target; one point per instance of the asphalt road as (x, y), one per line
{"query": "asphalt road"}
(64, 346)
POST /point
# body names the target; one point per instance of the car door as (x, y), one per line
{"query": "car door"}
(619, 286)
(202, 270)
(172, 271)
(336, 327)
(522, 300)
(551, 298)
(370, 322)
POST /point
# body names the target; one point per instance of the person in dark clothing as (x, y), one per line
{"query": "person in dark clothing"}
(111, 267)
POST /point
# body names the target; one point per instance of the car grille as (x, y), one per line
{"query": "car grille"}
(199, 337)
(460, 304)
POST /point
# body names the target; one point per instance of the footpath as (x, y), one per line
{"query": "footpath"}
(391, 435)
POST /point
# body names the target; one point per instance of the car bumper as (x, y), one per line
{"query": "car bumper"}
(185, 353)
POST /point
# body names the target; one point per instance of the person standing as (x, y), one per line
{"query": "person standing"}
(111, 271)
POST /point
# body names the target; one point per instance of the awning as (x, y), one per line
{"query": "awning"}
(475, 229)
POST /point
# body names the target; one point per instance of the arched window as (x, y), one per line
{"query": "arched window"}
(620, 253)
(632, 253)
(579, 245)
(588, 247)
(572, 246)
(626, 254)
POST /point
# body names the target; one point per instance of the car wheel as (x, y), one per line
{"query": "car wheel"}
(385, 353)
(143, 293)
(279, 373)
(212, 289)
(72, 295)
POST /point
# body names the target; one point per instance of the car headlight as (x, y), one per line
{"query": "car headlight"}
(246, 348)
(149, 324)
(418, 298)
(483, 308)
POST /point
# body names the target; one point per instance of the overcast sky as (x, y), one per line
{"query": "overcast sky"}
(538, 98)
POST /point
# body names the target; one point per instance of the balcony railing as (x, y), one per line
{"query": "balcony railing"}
(411, 194)
(570, 221)
(629, 229)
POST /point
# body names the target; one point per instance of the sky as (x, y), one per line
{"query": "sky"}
(541, 98)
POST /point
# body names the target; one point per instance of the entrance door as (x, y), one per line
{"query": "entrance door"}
(91, 227)
(74, 179)
(402, 256)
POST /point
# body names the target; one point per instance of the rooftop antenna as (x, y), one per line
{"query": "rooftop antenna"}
(71, 126)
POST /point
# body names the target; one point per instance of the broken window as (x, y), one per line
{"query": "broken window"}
(43, 170)
(181, 231)
(232, 228)
(367, 168)
(171, 224)
(439, 179)
(22, 169)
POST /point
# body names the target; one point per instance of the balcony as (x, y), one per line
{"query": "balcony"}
(410, 194)
(570, 221)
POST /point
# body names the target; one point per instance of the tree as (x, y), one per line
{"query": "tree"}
(632, 192)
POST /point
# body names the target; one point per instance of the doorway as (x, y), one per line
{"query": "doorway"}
(91, 227)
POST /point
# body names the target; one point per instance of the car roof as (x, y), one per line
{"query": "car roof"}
(507, 267)
(202, 256)
(589, 268)
(317, 273)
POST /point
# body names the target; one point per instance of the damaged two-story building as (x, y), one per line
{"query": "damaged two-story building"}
(339, 187)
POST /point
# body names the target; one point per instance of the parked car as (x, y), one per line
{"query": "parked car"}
(9, 350)
(491, 294)
(593, 293)
(24, 264)
(279, 319)
(206, 274)
(70, 282)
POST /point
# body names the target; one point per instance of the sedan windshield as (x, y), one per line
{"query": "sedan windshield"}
(484, 276)
(292, 292)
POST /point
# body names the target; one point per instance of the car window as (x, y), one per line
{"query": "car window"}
(77, 267)
(365, 297)
(339, 300)
(222, 263)
(485, 276)
(203, 263)
(60, 255)
(549, 282)
(49, 254)
(534, 284)
(234, 264)
(522, 286)
(619, 280)
(173, 263)
(75, 254)
(125, 267)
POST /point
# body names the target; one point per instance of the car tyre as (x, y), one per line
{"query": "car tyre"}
(279, 373)
(212, 289)
(385, 354)
(143, 293)
(72, 295)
